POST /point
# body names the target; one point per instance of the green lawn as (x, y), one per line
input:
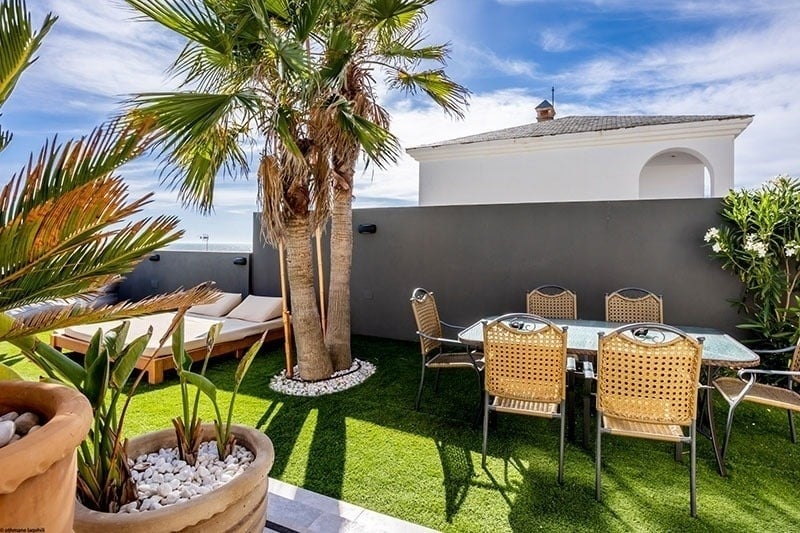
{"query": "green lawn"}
(369, 447)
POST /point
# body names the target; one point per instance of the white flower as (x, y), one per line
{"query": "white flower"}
(717, 247)
(711, 234)
(792, 248)
(755, 246)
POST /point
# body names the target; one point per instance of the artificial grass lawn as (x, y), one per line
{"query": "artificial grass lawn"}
(369, 447)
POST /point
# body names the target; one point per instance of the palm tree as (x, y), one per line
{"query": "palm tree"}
(63, 229)
(364, 36)
(255, 70)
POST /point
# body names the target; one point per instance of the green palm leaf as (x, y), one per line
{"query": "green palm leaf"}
(448, 94)
(18, 43)
(193, 19)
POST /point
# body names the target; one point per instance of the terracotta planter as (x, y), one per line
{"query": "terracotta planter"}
(38, 472)
(239, 505)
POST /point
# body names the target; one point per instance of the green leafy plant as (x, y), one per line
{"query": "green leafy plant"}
(187, 427)
(104, 477)
(759, 241)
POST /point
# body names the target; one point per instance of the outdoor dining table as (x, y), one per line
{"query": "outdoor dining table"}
(720, 350)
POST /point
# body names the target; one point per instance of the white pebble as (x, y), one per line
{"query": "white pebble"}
(7, 430)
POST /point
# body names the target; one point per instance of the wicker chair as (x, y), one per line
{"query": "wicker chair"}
(432, 343)
(647, 382)
(746, 388)
(553, 301)
(525, 371)
(632, 304)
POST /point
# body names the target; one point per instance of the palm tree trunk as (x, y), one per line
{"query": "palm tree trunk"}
(312, 356)
(337, 335)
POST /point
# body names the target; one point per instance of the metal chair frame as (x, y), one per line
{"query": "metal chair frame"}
(432, 342)
(645, 416)
(518, 365)
(749, 380)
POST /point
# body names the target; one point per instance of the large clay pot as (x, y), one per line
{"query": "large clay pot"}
(239, 505)
(38, 472)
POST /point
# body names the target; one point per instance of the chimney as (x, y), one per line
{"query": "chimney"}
(545, 111)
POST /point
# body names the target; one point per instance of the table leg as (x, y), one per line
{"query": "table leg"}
(707, 417)
(587, 411)
(571, 392)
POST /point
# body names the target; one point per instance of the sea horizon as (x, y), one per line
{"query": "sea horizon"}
(189, 246)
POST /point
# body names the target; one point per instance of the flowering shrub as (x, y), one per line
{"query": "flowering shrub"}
(759, 241)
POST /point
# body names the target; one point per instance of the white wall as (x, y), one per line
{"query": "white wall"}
(672, 175)
(550, 170)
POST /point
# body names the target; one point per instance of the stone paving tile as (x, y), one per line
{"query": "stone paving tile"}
(303, 511)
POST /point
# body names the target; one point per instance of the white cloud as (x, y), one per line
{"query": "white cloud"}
(561, 38)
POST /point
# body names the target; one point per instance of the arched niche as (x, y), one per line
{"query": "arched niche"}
(676, 173)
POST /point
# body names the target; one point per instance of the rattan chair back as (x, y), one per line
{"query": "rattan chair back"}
(525, 365)
(426, 316)
(632, 304)
(653, 379)
(553, 301)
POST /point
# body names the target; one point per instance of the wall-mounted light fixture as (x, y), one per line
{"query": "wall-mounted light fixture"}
(155, 257)
(240, 261)
(367, 228)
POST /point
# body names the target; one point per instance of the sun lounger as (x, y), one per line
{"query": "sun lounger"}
(242, 326)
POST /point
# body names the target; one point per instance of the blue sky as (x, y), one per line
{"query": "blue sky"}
(602, 56)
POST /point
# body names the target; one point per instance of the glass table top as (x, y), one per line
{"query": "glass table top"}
(719, 349)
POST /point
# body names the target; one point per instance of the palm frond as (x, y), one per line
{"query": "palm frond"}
(380, 145)
(61, 316)
(18, 43)
(5, 138)
(449, 95)
(409, 49)
(306, 17)
(61, 168)
(193, 19)
(391, 16)
(197, 135)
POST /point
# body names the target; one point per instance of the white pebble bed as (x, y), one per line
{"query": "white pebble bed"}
(358, 372)
(163, 479)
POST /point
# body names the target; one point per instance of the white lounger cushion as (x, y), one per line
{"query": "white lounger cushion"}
(258, 308)
(223, 305)
(195, 330)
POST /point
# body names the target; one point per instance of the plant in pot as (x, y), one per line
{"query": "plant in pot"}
(63, 234)
(759, 241)
(145, 485)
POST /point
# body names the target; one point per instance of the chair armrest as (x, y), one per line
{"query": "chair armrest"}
(451, 326)
(743, 372)
(773, 352)
(453, 342)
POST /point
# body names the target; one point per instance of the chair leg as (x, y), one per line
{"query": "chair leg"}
(597, 491)
(480, 397)
(728, 426)
(791, 427)
(485, 426)
(561, 444)
(421, 383)
(693, 470)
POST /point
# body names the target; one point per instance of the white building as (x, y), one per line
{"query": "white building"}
(583, 158)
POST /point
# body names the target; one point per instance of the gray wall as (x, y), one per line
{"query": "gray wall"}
(480, 260)
(179, 269)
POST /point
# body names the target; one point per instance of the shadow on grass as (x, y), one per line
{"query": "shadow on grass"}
(368, 444)
(458, 472)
